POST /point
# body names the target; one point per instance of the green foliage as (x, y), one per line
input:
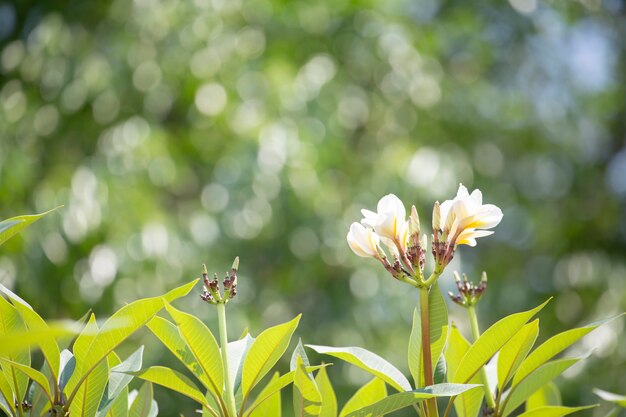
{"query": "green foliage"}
(611, 397)
(368, 394)
(469, 403)
(14, 225)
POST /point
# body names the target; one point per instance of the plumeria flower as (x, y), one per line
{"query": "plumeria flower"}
(465, 218)
(363, 241)
(389, 222)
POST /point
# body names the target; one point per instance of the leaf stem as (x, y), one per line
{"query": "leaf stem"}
(229, 394)
(431, 403)
(471, 311)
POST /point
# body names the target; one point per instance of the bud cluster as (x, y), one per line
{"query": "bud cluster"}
(469, 293)
(212, 294)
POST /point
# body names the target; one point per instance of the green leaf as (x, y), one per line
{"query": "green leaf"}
(549, 395)
(265, 351)
(514, 352)
(37, 397)
(310, 398)
(329, 400)
(66, 368)
(142, 405)
(271, 406)
(368, 394)
(34, 322)
(173, 380)
(11, 325)
(119, 327)
(202, 345)
(554, 411)
(169, 335)
(90, 391)
(467, 404)
(490, 342)
(275, 385)
(440, 370)
(6, 397)
(614, 412)
(37, 377)
(298, 355)
(237, 352)
(404, 399)
(119, 380)
(368, 361)
(438, 314)
(536, 380)
(551, 347)
(14, 225)
(611, 397)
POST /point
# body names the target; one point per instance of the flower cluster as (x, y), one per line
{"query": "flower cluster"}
(469, 293)
(459, 221)
(211, 293)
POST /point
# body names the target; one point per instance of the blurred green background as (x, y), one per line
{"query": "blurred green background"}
(177, 133)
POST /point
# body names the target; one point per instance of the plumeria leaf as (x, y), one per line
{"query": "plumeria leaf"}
(329, 400)
(611, 397)
(368, 394)
(168, 334)
(6, 396)
(275, 385)
(265, 351)
(66, 368)
(119, 327)
(119, 378)
(89, 392)
(34, 322)
(469, 403)
(142, 405)
(309, 401)
(549, 395)
(202, 345)
(490, 342)
(404, 399)
(237, 352)
(534, 381)
(39, 378)
(368, 361)
(514, 352)
(173, 380)
(553, 346)
(10, 325)
(37, 396)
(438, 315)
(14, 225)
(440, 370)
(298, 355)
(271, 406)
(554, 411)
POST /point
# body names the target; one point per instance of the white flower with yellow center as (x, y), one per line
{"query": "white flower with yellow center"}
(389, 221)
(465, 217)
(363, 241)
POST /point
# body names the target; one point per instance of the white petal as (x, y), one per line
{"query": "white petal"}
(477, 197)
(462, 192)
(370, 218)
(391, 204)
(444, 210)
(387, 226)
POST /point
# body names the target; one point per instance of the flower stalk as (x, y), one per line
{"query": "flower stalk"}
(228, 384)
(431, 404)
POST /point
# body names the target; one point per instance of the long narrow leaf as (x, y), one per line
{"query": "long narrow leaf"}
(553, 346)
(368, 361)
(554, 411)
(490, 342)
(514, 352)
(37, 377)
(202, 345)
(14, 225)
(404, 399)
(329, 400)
(265, 351)
(271, 406)
(10, 325)
(537, 379)
(173, 380)
(119, 379)
(169, 335)
(469, 403)
(6, 396)
(611, 397)
(34, 322)
(368, 394)
(309, 401)
(142, 405)
(548, 395)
